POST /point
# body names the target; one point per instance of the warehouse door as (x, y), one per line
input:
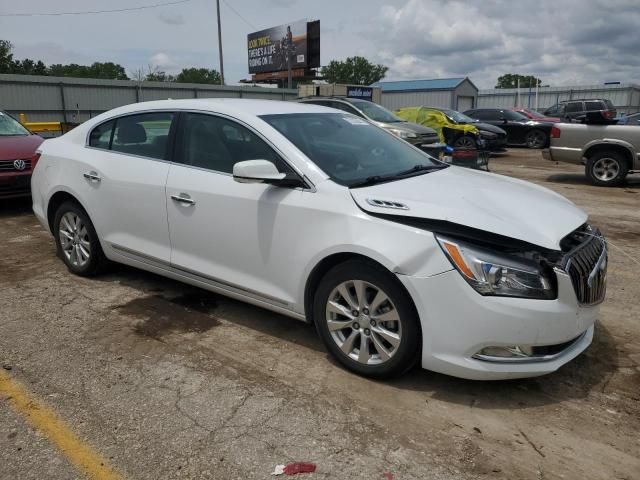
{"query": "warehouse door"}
(464, 103)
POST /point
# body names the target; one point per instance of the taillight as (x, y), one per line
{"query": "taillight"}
(608, 114)
(555, 132)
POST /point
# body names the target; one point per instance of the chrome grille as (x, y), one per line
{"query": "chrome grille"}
(7, 165)
(586, 264)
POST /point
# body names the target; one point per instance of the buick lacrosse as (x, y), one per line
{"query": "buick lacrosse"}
(317, 214)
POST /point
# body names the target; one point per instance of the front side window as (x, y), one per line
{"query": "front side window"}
(487, 115)
(216, 143)
(515, 116)
(573, 107)
(349, 149)
(10, 127)
(145, 134)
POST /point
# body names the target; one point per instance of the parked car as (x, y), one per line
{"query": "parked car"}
(324, 217)
(535, 115)
(18, 157)
(413, 133)
(633, 119)
(456, 129)
(609, 152)
(520, 129)
(576, 110)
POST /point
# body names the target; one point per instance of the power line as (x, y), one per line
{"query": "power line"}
(91, 12)
(240, 16)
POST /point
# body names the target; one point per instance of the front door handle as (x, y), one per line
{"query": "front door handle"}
(92, 176)
(184, 199)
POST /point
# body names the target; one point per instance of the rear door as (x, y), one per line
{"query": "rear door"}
(124, 183)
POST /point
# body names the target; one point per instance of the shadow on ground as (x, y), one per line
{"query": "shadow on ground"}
(175, 307)
(631, 183)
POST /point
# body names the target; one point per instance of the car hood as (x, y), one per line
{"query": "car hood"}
(19, 146)
(485, 201)
(411, 127)
(489, 128)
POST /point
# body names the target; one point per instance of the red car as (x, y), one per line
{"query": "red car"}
(17, 157)
(533, 115)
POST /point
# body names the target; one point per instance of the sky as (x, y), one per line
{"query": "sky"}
(563, 42)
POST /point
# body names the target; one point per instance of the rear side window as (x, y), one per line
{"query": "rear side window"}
(487, 115)
(593, 106)
(145, 134)
(100, 136)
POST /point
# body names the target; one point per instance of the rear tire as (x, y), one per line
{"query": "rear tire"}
(606, 168)
(77, 241)
(367, 320)
(536, 139)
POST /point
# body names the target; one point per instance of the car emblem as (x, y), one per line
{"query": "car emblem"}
(19, 164)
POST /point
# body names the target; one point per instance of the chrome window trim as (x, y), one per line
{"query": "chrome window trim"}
(310, 186)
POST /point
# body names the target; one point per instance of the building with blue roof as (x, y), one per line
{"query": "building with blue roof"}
(455, 93)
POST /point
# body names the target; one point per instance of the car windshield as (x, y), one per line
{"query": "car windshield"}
(10, 127)
(376, 112)
(350, 150)
(533, 113)
(458, 117)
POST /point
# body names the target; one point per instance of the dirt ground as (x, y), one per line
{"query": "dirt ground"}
(168, 381)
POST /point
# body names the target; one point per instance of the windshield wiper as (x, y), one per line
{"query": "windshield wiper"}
(413, 171)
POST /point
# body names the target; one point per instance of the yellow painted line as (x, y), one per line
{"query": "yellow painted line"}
(44, 419)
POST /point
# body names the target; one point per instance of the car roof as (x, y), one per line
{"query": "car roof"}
(344, 99)
(239, 106)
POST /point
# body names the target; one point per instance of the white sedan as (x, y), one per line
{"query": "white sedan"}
(319, 215)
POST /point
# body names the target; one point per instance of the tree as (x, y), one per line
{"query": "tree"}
(354, 70)
(199, 75)
(7, 63)
(510, 80)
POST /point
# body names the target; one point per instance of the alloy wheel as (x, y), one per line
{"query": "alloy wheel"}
(74, 239)
(465, 142)
(363, 322)
(606, 169)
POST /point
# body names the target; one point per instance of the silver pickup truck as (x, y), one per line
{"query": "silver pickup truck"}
(609, 152)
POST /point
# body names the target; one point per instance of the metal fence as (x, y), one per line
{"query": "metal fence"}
(626, 97)
(62, 99)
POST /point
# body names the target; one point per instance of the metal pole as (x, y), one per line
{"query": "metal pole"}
(537, 95)
(518, 93)
(220, 44)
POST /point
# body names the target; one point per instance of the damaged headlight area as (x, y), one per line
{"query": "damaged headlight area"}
(494, 273)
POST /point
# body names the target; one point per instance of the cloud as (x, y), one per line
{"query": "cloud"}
(574, 41)
(171, 18)
(162, 61)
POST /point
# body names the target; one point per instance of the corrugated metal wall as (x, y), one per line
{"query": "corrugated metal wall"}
(434, 98)
(78, 99)
(626, 98)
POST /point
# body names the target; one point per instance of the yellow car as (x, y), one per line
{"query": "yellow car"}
(458, 135)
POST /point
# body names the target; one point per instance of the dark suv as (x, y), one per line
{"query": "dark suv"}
(578, 109)
(520, 129)
(418, 135)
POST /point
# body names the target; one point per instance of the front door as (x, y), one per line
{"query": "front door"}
(235, 235)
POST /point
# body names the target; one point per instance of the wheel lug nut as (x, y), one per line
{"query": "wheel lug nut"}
(356, 326)
(365, 311)
(373, 323)
(355, 313)
(366, 331)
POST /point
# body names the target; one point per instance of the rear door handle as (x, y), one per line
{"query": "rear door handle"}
(184, 199)
(92, 176)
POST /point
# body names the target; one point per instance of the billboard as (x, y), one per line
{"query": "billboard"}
(268, 49)
(366, 93)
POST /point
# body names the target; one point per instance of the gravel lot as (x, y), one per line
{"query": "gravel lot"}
(168, 381)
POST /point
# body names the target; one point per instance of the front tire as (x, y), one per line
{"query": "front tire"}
(77, 241)
(606, 169)
(367, 320)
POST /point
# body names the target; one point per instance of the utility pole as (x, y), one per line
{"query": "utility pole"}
(220, 45)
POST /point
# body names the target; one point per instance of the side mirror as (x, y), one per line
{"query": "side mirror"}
(256, 171)
(263, 171)
(504, 120)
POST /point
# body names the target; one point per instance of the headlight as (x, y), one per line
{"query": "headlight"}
(491, 273)
(404, 134)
